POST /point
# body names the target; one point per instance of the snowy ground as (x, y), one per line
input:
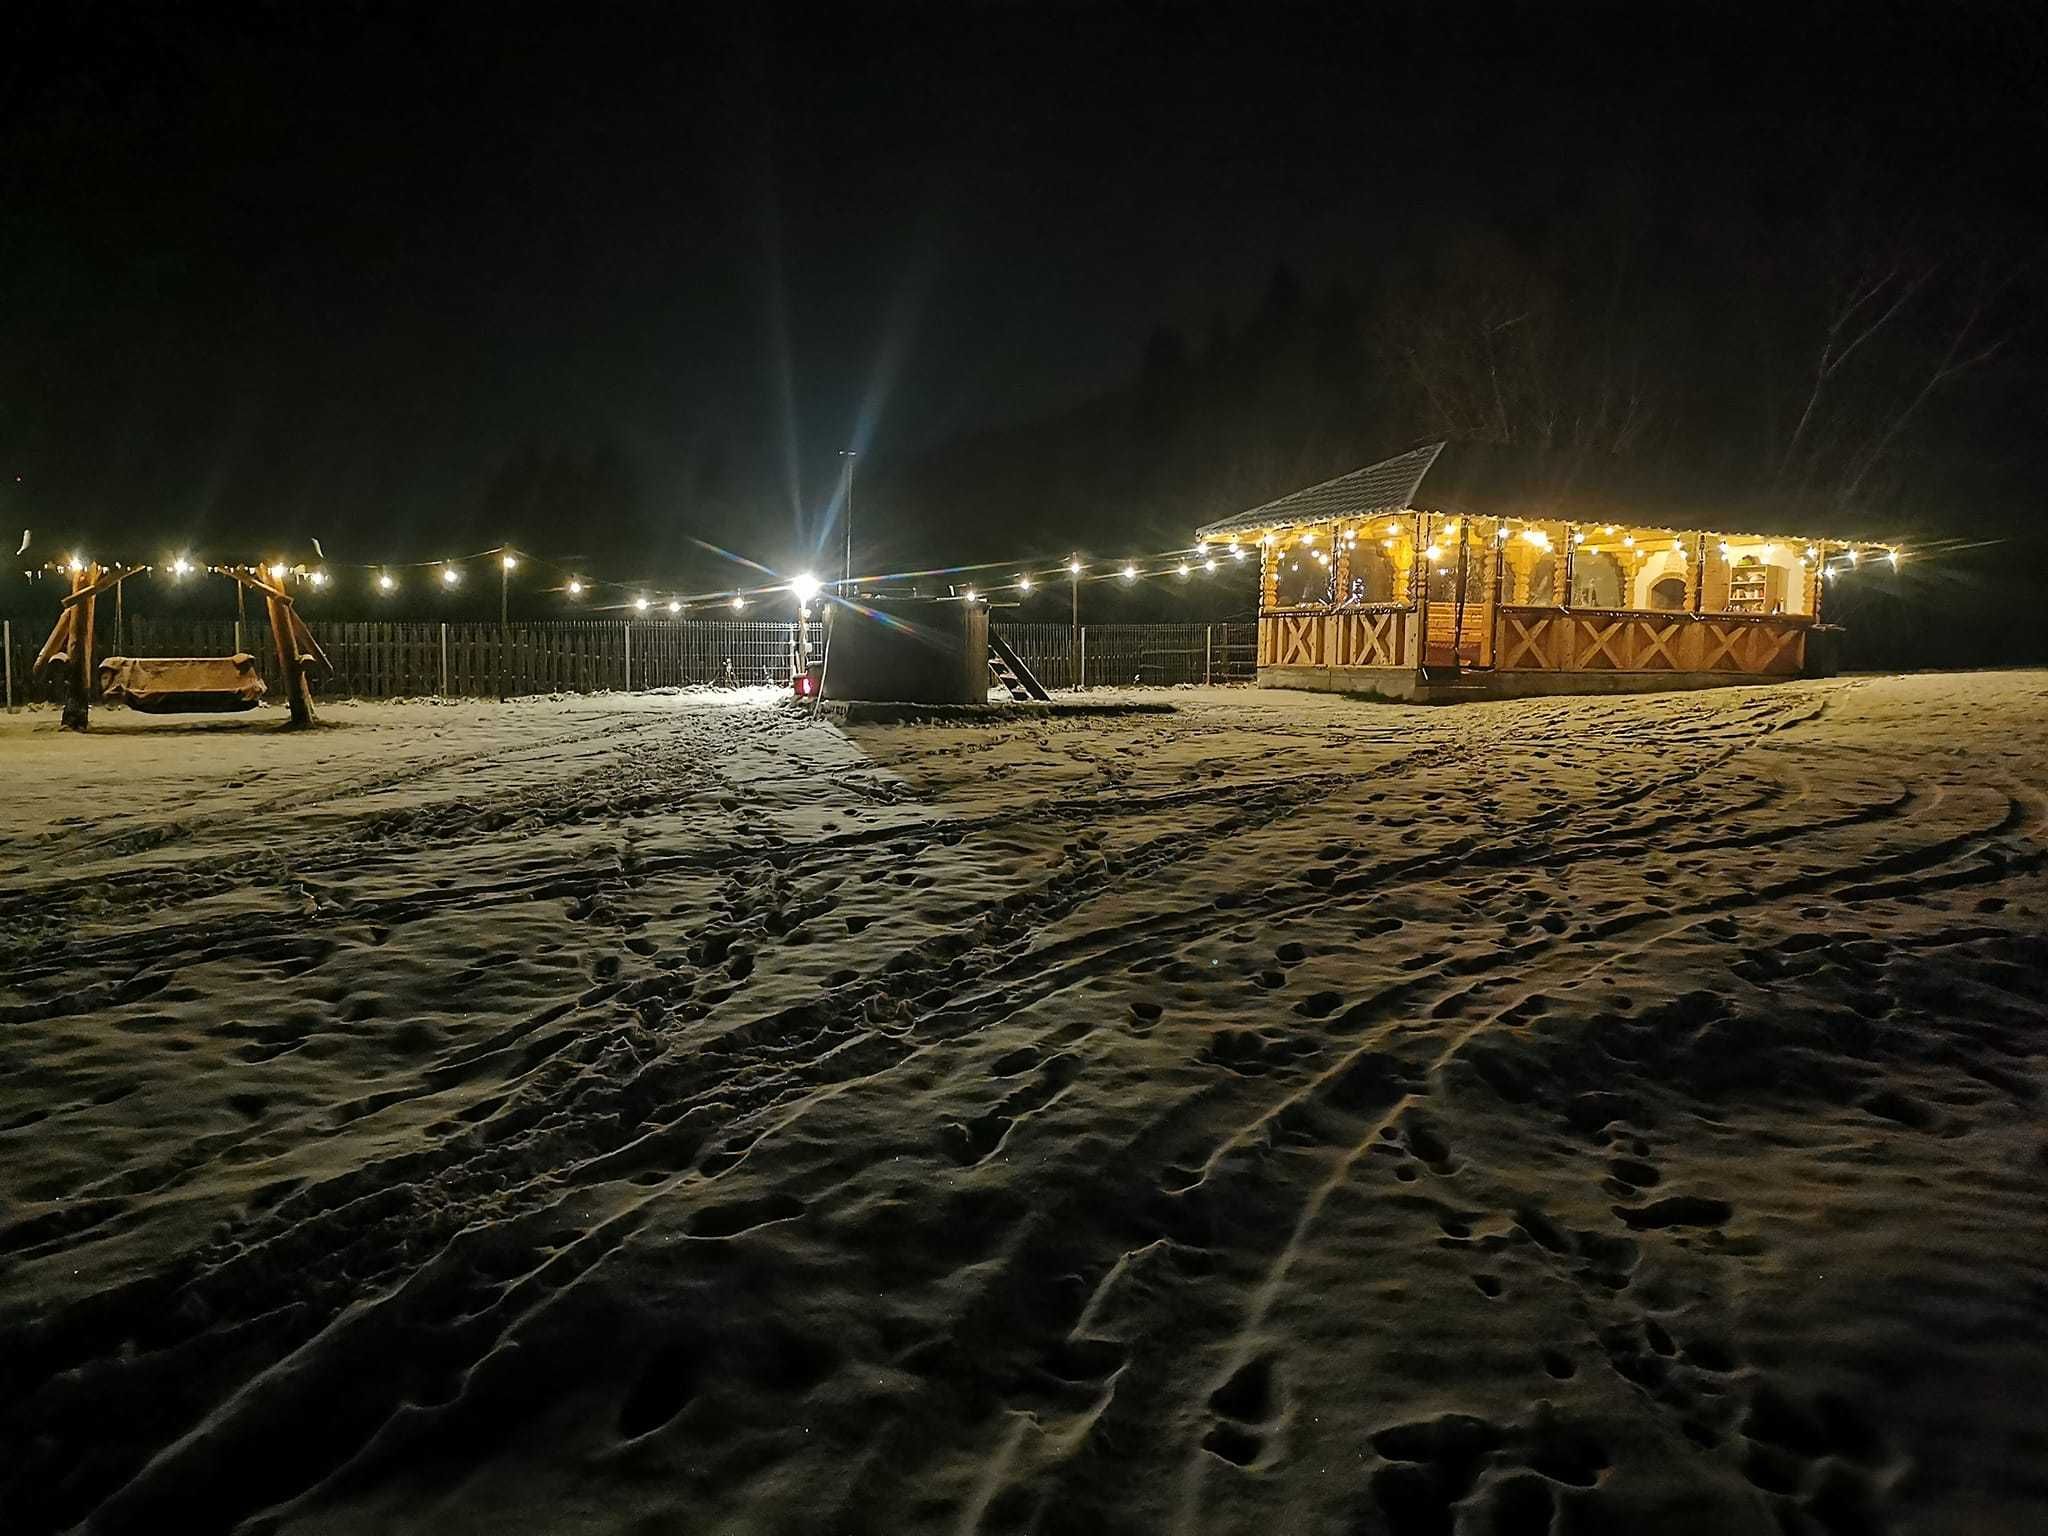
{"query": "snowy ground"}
(1290, 1115)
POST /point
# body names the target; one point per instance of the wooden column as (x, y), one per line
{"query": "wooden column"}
(78, 676)
(298, 692)
(1567, 567)
(1522, 565)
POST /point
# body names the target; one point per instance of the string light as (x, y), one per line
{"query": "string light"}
(1393, 529)
(639, 605)
(968, 594)
(1236, 552)
(1023, 583)
(277, 571)
(1130, 573)
(511, 560)
(385, 581)
(1182, 570)
(180, 566)
(1628, 541)
(575, 587)
(738, 602)
(1435, 554)
(318, 578)
(1073, 567)
(674, 607)
(1209, 565)
(450, 576)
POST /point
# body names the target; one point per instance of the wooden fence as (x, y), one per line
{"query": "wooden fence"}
(387, 660)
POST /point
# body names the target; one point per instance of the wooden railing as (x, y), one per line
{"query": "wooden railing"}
(1375, 636)
(1533, 639)
(1616, 640)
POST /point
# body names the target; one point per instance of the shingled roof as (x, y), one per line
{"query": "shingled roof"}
(1387, 486)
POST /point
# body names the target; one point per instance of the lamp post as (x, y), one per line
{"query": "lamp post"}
(506, 561)
(1074, 635)
(847, 456)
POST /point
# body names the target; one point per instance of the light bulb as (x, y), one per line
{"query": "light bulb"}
(1023, 583)
(969, 594)
(1130, 573)
(575, 587)
(277, 572)
(385, 582)
(511, 560)
(805, 587)
(1208, 565)
(639, 605)
(1183, 568)
(738, 603)
(450, 575)
(1073, 568)
(674, 607)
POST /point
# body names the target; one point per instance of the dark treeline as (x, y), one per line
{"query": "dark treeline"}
(1842, 369)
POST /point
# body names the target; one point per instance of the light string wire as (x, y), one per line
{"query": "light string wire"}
(1207, 557)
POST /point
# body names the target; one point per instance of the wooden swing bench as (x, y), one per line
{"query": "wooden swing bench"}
(182, 685)
(177, 685)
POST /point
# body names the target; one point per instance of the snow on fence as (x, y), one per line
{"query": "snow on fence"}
(392, 659)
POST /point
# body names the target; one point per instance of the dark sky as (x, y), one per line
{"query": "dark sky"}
(355, 270)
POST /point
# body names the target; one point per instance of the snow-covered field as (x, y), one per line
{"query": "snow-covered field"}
(1287, 1115)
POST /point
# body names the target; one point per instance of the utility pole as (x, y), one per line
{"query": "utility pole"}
(847, 456)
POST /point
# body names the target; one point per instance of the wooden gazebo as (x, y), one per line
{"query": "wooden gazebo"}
(1460, 570)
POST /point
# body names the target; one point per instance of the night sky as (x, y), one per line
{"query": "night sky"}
(604, 280)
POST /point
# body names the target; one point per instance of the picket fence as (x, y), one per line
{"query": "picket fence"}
(395, 659)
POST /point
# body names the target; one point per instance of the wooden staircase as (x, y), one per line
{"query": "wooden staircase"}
(1009, 673)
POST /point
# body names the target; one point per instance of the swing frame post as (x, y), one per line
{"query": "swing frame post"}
(81, 609)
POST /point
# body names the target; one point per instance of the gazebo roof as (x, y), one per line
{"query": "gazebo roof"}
(1388, 486)
(1494, 480)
